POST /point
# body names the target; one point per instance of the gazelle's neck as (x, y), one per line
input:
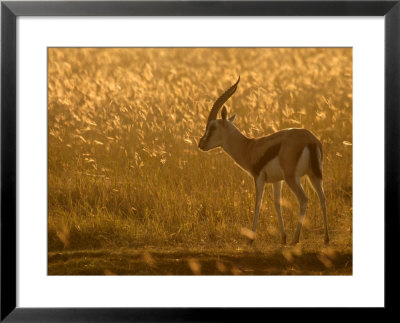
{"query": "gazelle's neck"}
(236, 145)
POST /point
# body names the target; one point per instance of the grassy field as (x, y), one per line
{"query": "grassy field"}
(130, 193)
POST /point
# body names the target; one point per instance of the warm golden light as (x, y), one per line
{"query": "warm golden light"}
(129, 192)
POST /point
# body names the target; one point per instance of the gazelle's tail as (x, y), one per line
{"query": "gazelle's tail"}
(314, 159)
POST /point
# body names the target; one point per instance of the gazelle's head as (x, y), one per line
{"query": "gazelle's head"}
(216, 128)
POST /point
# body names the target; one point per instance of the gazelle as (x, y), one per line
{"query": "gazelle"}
(286, 155)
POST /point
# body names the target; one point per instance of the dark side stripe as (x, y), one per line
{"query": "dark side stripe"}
(315, 166)
(270, 154)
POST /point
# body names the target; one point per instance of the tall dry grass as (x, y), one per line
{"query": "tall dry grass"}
(123, 165)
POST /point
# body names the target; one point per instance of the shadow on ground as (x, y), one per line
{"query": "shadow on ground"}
(287, 261)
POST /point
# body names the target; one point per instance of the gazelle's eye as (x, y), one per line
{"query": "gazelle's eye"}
(210, 131)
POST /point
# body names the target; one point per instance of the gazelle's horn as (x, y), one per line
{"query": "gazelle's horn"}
(221, 100)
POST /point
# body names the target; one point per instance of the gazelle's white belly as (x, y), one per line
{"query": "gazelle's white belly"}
(273, 171)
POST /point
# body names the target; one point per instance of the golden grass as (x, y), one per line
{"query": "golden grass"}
(123, 165)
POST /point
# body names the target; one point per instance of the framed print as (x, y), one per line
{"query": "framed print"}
(145, 144)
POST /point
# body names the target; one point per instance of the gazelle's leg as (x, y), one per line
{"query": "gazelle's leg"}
(294, 184)
(259, 183)
(317, 185)
(277, 203)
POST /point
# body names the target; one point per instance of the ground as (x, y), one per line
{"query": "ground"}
(283, 261)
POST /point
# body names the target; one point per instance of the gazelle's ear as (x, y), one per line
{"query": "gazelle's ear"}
(224, 113)
(232, 118)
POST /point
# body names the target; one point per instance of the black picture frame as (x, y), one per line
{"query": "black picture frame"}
(10, 10)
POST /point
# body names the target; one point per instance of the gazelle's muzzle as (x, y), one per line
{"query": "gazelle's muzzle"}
(202, 143)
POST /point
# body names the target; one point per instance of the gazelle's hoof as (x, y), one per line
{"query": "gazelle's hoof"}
(294, 242)
(326, 240)
(283, 241)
